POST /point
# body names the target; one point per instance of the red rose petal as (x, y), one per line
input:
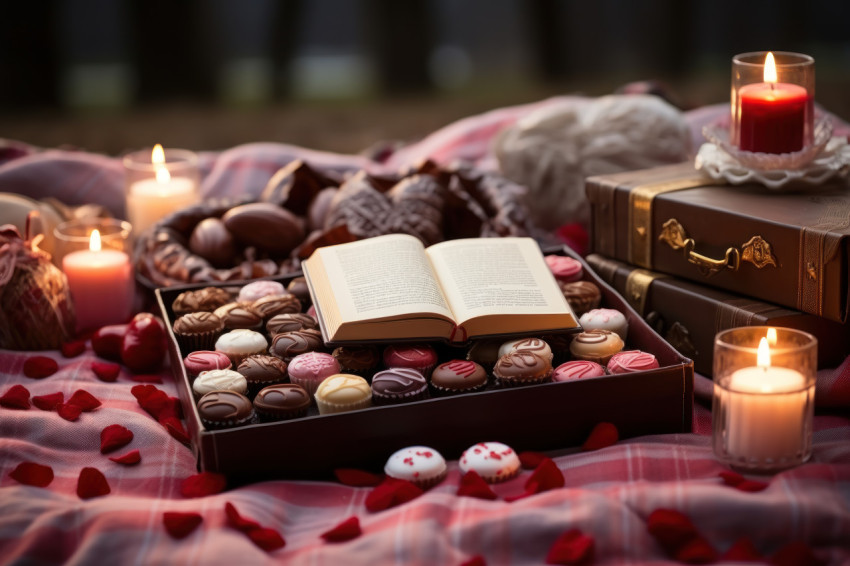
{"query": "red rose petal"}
(473, 485)
(731, 478)
(84, 400)
(696, 551)
(237, 521)
(203, 484)
(146, 378)
(267, 539)
(176, 430)
(180, 525)
(671, 528)
(751, 486)
(39, 367)
(602, 436)
(73, 349)
(796, 553)
(114, 437)
(131, 458)
(743, 550)
(106, 371)
(357, 478)
(476, 560)
(16, 397)
(48, 402)
(347, 530)
(572, 547)
(547, 476)
(530, 460)
(30, 473)
(142, 392)
(391, 492)
(92, 483)
(68, 411)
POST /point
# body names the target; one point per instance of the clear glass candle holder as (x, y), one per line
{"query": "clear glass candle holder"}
(98, 268)
(772, 105)
(764, 397)
(158, 183)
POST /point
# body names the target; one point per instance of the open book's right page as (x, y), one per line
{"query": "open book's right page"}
(496, 276)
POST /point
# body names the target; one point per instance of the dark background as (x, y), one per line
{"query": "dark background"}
(342, 75)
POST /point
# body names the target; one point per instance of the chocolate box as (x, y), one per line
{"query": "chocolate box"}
(689, 315)
(789, 249)
(539, 417)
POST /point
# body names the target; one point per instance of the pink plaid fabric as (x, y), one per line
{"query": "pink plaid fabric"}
(608, 494)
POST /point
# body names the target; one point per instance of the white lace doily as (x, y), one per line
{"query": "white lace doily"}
(826, 158)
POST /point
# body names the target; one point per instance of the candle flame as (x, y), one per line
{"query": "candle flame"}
(771, 336)
(763, 356)
(769, 68)
(94, 241)
(157, 155)
(162, 175)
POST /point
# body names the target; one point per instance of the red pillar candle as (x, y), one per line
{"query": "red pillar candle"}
(773, 117)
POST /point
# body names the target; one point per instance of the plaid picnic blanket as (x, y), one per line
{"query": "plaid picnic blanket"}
(96, 478)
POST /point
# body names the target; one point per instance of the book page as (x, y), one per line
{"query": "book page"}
(381, 277)
(488, 276)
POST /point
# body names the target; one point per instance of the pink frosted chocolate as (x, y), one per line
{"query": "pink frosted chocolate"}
(605, 319)
(416, 356)
(578, 369)
(206, 360)
(564, 268)
(310, 369)
(631, 360)
(259, 289)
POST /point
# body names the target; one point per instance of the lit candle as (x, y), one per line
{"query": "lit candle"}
(101, 284)
(765, 408)
(773, 115)
(151, 199)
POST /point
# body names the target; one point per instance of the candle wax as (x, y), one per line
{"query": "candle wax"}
(150, 200)
(765, 408)
(773, 117)
(101, 284)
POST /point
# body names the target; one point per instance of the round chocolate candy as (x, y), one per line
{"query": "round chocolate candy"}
(282, 401)
(265, 226)
(212, 241)
(223, 409)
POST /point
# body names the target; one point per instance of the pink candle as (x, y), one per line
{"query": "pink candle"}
(773, 117)
(101, 284)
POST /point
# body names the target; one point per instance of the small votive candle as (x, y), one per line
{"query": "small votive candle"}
(773, 97)
(95, 257)
(764, 394)
(159, 182)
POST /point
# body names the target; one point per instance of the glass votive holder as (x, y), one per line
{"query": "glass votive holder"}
(94, 254)
(159, 182)
(773, 96)
(764, 397)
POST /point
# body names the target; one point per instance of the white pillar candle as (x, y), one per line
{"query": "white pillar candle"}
(150, 200)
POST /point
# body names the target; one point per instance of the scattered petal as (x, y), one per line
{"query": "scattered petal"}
(602, 436)
(547, 476)
(237, 521)
(131, 458)
(796, 553)
(39, 367)
(30, 473)
(146, 378)
(671, 528)
(179, 524)
(572, 547)
(743, 550)
(473, 485)
(68, 411)
(48, 402)
(696, 551)
(176, 430)
(73, 349)
(357, 478)
(731, 478)
(347, 530)
(114, 437)
(391, 492)
(752, 486)
(16, 397)
(267, 539)
(84, 400)
(106, 371)
(476, 560)
(92, 483)
(530, 460)
(203, 484)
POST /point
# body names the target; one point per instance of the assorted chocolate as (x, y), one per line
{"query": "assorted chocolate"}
(302, 208)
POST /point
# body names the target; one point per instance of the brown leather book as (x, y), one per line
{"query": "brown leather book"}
(789, 249)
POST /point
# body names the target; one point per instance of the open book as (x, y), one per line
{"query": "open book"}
(393, 288)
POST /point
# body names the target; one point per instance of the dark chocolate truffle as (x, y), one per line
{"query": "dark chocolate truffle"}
(289, 322)
(398, 385)
(223, 409)
(289, 344)
(272, 305)
(265, 226)
(283, 401)
(261, 370)
(206, 299)
(211, 240)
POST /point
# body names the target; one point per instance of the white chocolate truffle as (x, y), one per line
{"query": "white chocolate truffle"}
(219, 380)
(420, 465)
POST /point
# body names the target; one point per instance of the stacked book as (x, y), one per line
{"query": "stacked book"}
(695, 257)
